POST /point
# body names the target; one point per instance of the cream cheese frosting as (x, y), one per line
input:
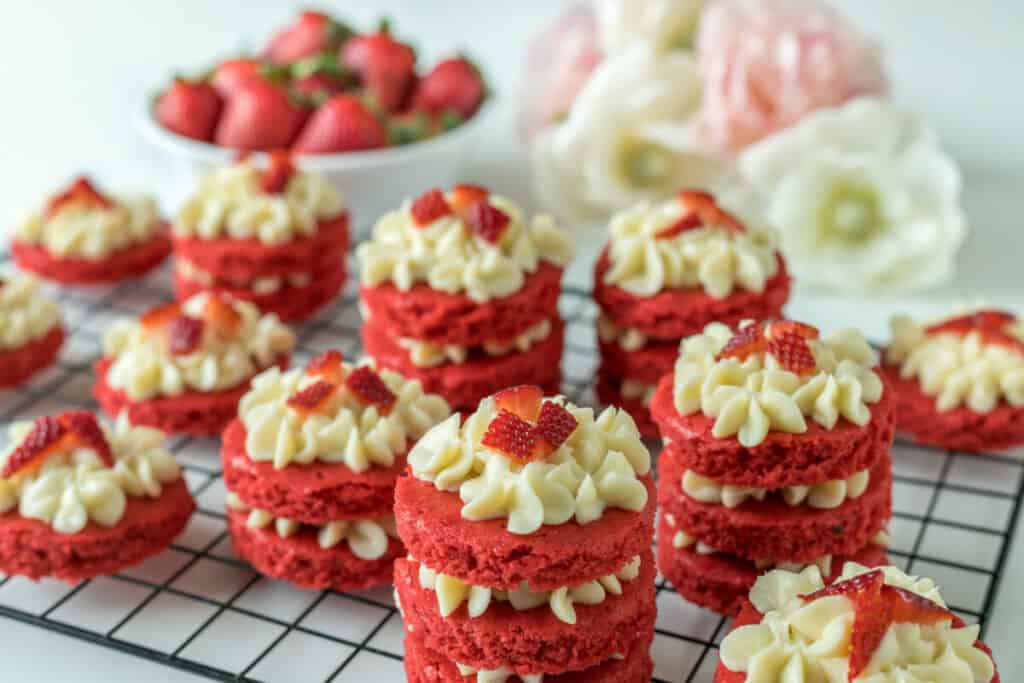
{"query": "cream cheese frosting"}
(426, 355)
(450, 258)
(143, 368)
(230, 202)
(959, 369)
(600, 466)
(261, 285)
(348, 431)
(801, 641)
(368, 539)
(629, 338)
(825, 496)
(749, 398)
(74, 486)
(715, 258)
(25, 314)
(78, 230)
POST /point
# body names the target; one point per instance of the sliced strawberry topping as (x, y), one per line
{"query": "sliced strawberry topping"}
(326, 365)
(313, 398)
(465, 195)
(184, 334)
(778, 328)
(793, 353)
(429, 207)
(487, 221)
(707, 211)
(555, 424)
(43, 441)
(158, 318)
(513, 436)
(80, 193)
(690, 221)
(744, 343)
(368, 387)
(86, 432)
(522, 401)
(990, 324)
(221, 316)
(279, 172)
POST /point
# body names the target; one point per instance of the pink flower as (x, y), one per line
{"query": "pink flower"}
(767, 63)
(558, 62)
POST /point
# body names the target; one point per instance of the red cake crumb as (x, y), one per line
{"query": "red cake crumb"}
(609, 393)
(18, 365)
(647, 365)
(132, 261)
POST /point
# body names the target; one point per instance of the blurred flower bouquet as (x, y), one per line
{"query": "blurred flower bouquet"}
(778, 106)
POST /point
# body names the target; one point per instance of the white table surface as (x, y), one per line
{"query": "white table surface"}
(74, 73)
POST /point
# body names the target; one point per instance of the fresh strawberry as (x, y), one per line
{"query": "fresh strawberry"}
(777, 328)
(690, 221)
(342, 124)
(43, 440)
(990, 324)
(280, 170)
(189, 108)
(327, 365)
(744, 343)
(313, 33)
(555, 424)
(368, 387)
(428, 207)
(704, 206)
(316, 88)
(465, 195)
(487, 221)
(319, 78)
(159, 318)
(793, 353)
(85, 431)
(313, 398)
(511, 435)
(260, 116)
(386, 67)
(81, 192)
(410, 127)
(184, 334)
(522, 401)
(221, 316)
(230, 76)
(453, 85)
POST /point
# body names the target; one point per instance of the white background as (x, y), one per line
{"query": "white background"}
(74, 74)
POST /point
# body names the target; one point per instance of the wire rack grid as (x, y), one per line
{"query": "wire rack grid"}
(197, 607)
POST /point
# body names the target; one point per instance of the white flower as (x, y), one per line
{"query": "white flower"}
(628, 138)
(862, 196)
(663, 24)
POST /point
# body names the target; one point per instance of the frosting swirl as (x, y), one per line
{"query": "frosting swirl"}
(599, 466)
(347, 431)
(800, 640)
(230, 202)
(143, 367)
(750, 397)
(74, 486)
(449, 257)
(25, 314)
(960, 369)
(825, 496)
(713, 257)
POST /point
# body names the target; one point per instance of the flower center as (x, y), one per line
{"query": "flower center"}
(851, 214)
(645, 164)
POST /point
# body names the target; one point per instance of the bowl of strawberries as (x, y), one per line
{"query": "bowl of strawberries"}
(355, 107)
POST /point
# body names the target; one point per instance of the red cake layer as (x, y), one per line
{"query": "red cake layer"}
(300, 559)
(464, 385)
(132, 261)
(676, 313)
(648, 364)
(961, 429)
(773, 529)
(636, 666)
(433, 316)
(608, 392)
(242, 260)
(290, 303)
(721, 582)
(530, 641)
(314, 494)
(30, 547)
(188, 413)
(487, 554)
(17, 365)
(782, 459)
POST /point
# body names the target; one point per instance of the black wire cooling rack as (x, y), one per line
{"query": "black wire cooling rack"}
(198, 608)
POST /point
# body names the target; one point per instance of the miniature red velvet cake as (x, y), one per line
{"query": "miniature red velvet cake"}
(82, 236)
(30, 330)
(669, 269)
(460, 291)
(529, 532)
(184, 366)
(776, 454)
(81, 498)
(276, 237)
(868, 626)
(960, 381)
